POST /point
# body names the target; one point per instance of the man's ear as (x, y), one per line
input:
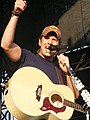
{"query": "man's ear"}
(39, 42)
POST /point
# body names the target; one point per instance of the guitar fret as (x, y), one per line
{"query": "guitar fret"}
(73, 105)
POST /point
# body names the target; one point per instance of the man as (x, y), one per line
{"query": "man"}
(51, 35)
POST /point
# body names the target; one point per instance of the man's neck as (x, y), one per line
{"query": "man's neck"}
(46, 57)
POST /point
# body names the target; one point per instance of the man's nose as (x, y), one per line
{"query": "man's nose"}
(50, 41)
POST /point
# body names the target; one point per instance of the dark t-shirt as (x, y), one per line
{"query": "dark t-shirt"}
(34, 60)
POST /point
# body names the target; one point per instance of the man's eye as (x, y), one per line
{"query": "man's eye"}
(54, 39)
(46, 37)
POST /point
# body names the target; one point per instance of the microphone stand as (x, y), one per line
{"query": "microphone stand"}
(79, 85)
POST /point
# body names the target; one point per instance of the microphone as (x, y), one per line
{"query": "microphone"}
(57, 47)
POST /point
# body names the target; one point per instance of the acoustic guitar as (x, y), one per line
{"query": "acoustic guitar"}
(31, 95)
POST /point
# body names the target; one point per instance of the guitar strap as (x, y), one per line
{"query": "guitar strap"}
(60, 75)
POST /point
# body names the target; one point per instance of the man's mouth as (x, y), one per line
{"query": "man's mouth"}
(47, 47)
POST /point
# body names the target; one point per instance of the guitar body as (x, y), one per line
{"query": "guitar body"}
(31, 95)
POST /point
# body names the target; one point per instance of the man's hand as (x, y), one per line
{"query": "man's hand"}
(20, 6)
(63, 62)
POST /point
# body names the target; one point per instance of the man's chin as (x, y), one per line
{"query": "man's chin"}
(49, 54)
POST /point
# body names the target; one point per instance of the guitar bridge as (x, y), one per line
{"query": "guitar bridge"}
(38, 92)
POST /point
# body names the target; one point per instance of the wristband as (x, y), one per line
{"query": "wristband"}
(67, 73)
(15, 13)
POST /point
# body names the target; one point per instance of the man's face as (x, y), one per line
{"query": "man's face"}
(44, 44)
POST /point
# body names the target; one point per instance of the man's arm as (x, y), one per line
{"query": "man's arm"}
(13, 50)
(63, 61)
(72, 86)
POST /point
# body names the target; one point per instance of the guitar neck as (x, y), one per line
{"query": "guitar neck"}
(75, 106)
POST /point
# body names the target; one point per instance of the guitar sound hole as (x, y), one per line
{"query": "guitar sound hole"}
(56, 100)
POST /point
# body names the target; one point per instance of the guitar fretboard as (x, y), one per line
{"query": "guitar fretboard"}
(74, 105)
